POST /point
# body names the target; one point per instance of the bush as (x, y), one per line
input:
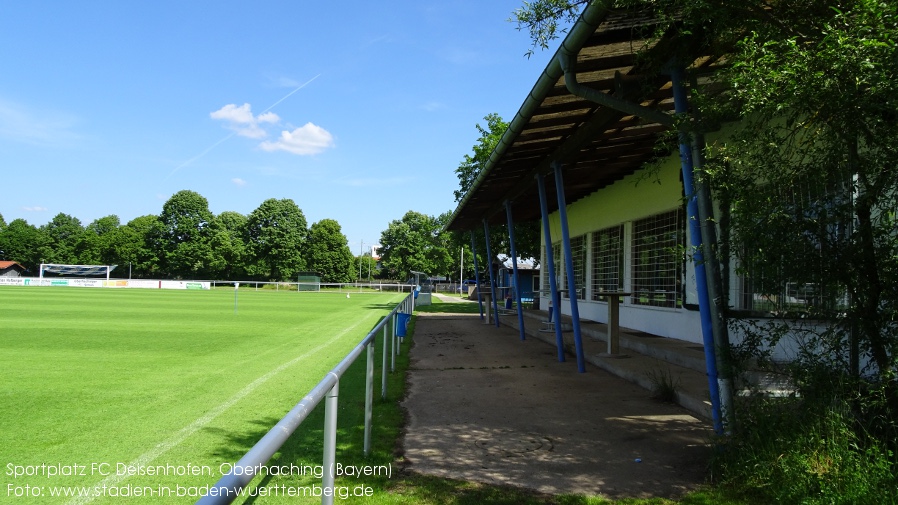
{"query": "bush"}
(828, 444)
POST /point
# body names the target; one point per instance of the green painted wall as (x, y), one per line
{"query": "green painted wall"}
(631, 198)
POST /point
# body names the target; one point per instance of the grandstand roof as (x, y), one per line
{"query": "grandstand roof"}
(597, 145)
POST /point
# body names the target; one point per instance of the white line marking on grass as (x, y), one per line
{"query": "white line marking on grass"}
(163, 447)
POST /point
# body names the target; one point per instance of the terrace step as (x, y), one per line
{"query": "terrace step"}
(644, 359)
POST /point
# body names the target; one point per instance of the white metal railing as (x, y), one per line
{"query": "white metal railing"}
(343, 287)
(227, 489)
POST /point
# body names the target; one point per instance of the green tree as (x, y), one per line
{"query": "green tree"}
(98, 244)
(541, 19)
(414, 243)
(2, 229)
(185, 218)
(276, 237)
(821, 205)
(22, 242)
(526, 234)
(65, 236)
(227, 233)
(328, 252)
(473, 164)
(365, 265)
(139, 247)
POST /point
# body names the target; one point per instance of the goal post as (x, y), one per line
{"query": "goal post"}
(76, 270)
(308, 281)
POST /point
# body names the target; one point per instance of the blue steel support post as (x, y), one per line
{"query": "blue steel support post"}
(681, 107)
(476, 275)
(550, 265)
(514, 263)
(569, 267)
(489, 258)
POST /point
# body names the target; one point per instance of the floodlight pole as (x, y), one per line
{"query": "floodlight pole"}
(361, 251)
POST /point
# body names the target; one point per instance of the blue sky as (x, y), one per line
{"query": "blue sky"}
(358, 111)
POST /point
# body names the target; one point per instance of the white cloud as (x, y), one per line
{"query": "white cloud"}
(241, 120)
(238, 181)
(35, 209)
(268, 117)
(309, 139)
(234, 114)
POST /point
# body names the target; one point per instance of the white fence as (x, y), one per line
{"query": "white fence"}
(336, 287)
(346, 287)
(103, 283)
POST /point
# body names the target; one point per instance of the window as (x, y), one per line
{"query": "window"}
(578, 260)
(657, 250)
(559, 271)
(790, 268)
(607, 261)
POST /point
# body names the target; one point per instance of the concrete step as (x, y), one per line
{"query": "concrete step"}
(644, 359)
(678, 352)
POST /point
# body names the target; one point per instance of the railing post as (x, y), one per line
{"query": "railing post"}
(393, 351)
(330, 443)
(369, 396)
(383, 368)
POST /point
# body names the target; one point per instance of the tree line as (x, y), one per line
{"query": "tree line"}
(418, 242)
(187, 241)
(273, 243)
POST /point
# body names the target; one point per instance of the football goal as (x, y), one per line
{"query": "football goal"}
(308, 281)
(76, 270)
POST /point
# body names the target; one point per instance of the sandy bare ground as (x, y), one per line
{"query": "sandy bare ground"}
(485, 406)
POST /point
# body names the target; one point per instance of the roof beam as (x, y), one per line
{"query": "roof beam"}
(567, 61)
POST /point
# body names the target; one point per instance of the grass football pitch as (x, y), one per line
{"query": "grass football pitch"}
(118, 388)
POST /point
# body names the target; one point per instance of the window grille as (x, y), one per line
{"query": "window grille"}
(657, 250)
(559, 266)
(793, 275)
(607, 261)
(763, 298)
(578, 259)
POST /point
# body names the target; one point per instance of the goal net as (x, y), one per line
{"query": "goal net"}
(308, 281)
(76, 270)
